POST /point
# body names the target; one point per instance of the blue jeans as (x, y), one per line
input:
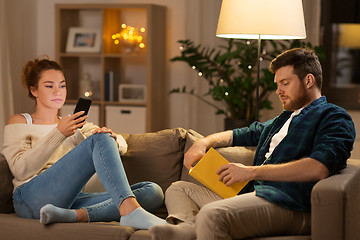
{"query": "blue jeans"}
(62, 183)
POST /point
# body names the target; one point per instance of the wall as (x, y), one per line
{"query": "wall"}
(22, 31)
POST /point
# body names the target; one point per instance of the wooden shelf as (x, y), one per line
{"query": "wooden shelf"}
(141, 66)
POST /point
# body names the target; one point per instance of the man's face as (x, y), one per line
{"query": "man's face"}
(291, 90)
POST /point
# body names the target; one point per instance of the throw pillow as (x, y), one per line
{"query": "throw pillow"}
(155, 157)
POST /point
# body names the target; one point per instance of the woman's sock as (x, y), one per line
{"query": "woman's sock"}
(140, 219)
(182, 231)
(51, 214)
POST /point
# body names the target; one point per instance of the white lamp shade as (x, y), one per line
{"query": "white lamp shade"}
(271, 19)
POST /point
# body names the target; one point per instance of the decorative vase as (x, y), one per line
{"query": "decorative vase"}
(230, 123)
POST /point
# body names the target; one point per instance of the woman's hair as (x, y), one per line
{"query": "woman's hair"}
(304, 61)
(33, 70)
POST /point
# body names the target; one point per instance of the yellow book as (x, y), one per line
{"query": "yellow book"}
(205, 172)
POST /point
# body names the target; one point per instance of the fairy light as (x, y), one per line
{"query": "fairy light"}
(130, 34)
(88, 94)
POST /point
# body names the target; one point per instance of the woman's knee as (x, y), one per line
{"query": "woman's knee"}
(150, 196)
(98, 136)
(156, 193)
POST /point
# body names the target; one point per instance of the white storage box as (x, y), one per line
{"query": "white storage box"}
(123, 119)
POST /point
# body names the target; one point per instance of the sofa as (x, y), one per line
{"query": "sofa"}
(158, 157)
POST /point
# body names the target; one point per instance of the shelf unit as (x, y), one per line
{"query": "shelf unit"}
(144, 67)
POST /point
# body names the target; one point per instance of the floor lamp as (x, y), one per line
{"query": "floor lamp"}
(261, 19)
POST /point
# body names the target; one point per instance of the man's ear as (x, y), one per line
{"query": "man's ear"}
(33, 91)
(309, 80)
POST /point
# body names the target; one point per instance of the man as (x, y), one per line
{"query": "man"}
(309, 141)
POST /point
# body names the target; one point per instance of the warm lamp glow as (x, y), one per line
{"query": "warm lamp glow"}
(271, 19)
(349, 35)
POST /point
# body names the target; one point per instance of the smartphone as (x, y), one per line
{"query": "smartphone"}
(83, 104)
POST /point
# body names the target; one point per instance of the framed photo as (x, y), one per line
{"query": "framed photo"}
(83, 40)
(132, 93)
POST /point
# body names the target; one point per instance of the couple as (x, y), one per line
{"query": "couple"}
(309, 141)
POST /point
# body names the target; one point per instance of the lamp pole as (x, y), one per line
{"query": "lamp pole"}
(258, 80)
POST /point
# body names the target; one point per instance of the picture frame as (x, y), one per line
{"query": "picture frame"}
(132, 93)
(83, 40)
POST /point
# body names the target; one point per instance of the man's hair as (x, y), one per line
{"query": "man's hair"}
(304, 61)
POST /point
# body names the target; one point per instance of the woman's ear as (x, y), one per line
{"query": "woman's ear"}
(33, 91)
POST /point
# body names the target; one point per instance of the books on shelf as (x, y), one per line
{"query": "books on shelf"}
(112, 80)
(205, 172)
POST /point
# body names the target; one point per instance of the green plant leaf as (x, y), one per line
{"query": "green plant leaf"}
(230, 62)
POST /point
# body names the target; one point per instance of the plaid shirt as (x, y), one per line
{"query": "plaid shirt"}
(321, 131)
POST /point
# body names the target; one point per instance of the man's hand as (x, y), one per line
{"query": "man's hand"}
(234, 172)
(198, 149)
(68, 125)
(195, 153)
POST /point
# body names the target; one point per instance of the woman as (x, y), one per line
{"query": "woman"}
(52, 159)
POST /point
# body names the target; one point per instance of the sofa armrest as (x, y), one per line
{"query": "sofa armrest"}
(335, 205)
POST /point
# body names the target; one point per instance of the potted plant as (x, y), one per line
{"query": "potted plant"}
(230, 72)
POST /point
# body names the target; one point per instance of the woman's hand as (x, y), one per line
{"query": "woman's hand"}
(68, 125)
(106, 130)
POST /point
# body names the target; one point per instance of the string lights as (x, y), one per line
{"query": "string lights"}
(130, 35)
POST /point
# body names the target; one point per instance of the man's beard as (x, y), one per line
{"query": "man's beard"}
(298, 101)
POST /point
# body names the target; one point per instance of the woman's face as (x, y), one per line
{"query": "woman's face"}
(51, 91)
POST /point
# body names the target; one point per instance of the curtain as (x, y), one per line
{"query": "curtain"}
(6, 98)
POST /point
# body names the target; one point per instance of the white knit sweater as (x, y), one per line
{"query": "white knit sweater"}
(31, 148)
